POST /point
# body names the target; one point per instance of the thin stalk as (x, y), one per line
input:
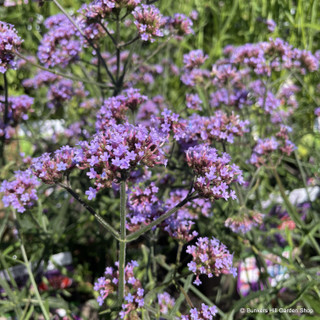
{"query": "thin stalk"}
(62, 74)
(122, 245)
(104, 223)
(5, 117)
(141, 231)
(27, 264)
(293, 213)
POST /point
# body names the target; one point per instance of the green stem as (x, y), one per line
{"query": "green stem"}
(104, 223)
(292, 212)
(33, 282)
(62, 74)
(5, 118)
(141, 231)
(122, 253)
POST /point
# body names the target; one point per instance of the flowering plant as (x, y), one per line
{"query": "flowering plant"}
(165, 165)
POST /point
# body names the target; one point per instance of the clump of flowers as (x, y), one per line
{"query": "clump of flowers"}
(219, 127)
(192, 73)
(144, 206)
(64, 90)
(133, 289)
(265, 148)
(194, 59)
(169, 123)
(113, 153)
(214, 174)
(21, 192)
(60, 45)
(210, 257)
(244, 222)
(165, 302)
(193, 101)
(51, 169)
(181, 24)
(9, 42)
(179, 224)
(18, 109)
(113, 110)
(205, 313)
(149, 22)
(40, 79)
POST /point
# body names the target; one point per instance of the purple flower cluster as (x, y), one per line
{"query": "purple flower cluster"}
(169, 124)
(219, 127)
(98, 10)
(271, 25)
(113, 153)
(149, 22)
(144, 206)
(64, 90)
(265, 148)
(192, 73)
(244, 222)
(9, 42)
(21, 191)
(60, 45)
(114, 109)
(214, 174)
(18, 109)
(165, 302)
(210, 257)
(205, 313)
(193, 101)
(180, 24)
(194, 59)
(40, 79)
(275, 55)
(51, 168)
(179, 224)
(133, 289)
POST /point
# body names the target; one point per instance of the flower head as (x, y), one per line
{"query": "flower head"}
(21, 191)
(210, 257)
(9, 42)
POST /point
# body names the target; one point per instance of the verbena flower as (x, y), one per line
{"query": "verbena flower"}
(205, 313)
(9, 42)
(271, 25)
(18, 109)
(219, 127)
(21, 192)
(169, 124)
(64, 90)
(165, 302)
(194, 59)
(51, 168)
(266, 148)
(213, 174)
(113, 153)
(133, 297)
(244, 222)
(60, 45)
(149, 22)
(180, 24)
(40, 79)
(210, 257)
(114, 109)
(193, 101)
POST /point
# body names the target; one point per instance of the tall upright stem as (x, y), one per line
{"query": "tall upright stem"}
(29, 270)
(5, 118)
(122, 252)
